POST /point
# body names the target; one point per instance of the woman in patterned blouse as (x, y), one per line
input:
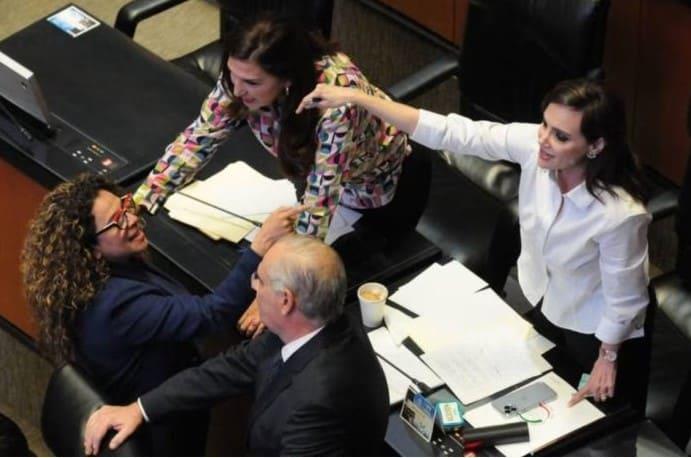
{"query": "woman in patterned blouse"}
(341, 156)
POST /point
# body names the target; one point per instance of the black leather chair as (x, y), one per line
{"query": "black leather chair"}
(673, 292)
(69, 401)
(683, 224)
(513, 52)
(205, 62)
(671, 406)
(12, 440)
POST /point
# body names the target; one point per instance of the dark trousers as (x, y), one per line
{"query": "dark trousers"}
(405, 209)
(633, 362)
(383, 225)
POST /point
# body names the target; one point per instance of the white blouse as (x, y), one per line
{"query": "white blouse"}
(586, 258)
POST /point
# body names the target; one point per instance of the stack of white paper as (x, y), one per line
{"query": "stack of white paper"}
(480, 346)
(476, 369)
(478, 316)
(438, 289)
(561, 421)
(239, 189)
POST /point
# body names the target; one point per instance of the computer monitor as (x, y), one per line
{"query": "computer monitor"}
(19, 86)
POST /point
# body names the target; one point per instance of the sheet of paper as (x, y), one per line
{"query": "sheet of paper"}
(562, 421)
(473, 318)
(182, 218)
(398, 324)
(402, 358)
(438, 289)
(239, 189)
(242, 190)
(230, 229)
(396, 382)
(476, 369)
(538, 343)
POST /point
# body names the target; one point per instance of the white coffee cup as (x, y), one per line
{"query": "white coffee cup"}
(372, 298)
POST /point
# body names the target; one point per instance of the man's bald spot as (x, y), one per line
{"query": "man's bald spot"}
(309, 254)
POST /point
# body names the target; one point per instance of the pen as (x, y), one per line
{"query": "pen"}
(255, 223)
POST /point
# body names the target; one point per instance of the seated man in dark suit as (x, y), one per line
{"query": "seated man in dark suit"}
(318, 388)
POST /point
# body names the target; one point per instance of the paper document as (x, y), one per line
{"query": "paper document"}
(476, 369)
(475, 317)
(402, 358)
(398, 324)
(239, 189)
(438, 289)
(538, 343)
(561, 420)
(396, 382)
(480, 346)
(214, 223)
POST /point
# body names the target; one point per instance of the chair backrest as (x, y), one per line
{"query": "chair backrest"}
(206, 62)
(514, 51)
(315, 14)
(69, 401)
(684, 217)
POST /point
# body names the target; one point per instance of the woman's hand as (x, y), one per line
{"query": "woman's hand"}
(278, 224)
(249, 324)
(328, 96)
(601, 383)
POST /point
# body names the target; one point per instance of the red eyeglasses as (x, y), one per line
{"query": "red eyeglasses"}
(119, 218)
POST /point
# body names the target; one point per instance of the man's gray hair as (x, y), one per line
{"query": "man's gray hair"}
(314, 273)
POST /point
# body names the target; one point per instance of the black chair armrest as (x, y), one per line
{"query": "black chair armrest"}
(675, 300)
(130, 15)
(69, 401)
(663, 203)
(664, 195)
(425, 78)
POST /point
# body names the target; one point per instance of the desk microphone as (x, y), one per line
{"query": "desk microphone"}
(424, 388)
(494, 435)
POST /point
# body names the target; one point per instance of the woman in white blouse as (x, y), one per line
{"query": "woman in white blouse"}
(584, 250)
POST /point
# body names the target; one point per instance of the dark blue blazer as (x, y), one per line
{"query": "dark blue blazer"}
(137, 331)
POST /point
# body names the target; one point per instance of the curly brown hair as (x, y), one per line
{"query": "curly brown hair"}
(60, 271)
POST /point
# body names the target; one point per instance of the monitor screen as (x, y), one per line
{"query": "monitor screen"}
(18, 85)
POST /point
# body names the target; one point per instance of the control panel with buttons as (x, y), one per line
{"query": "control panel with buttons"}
(96, 157)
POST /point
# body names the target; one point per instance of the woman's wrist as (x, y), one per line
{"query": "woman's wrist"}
(611, 347)
(358, 97)
(609, 353)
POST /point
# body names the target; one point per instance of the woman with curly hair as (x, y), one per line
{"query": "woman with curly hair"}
(99, 304)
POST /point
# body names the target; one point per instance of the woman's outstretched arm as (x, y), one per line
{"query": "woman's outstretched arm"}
(328, 96)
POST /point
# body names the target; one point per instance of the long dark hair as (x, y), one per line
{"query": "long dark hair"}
(603, 117)
(284, 49)
(61, 273)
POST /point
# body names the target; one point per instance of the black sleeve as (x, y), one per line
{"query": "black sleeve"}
(229, 374)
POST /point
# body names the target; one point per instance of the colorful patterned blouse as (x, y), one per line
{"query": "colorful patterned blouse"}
(357, 162)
